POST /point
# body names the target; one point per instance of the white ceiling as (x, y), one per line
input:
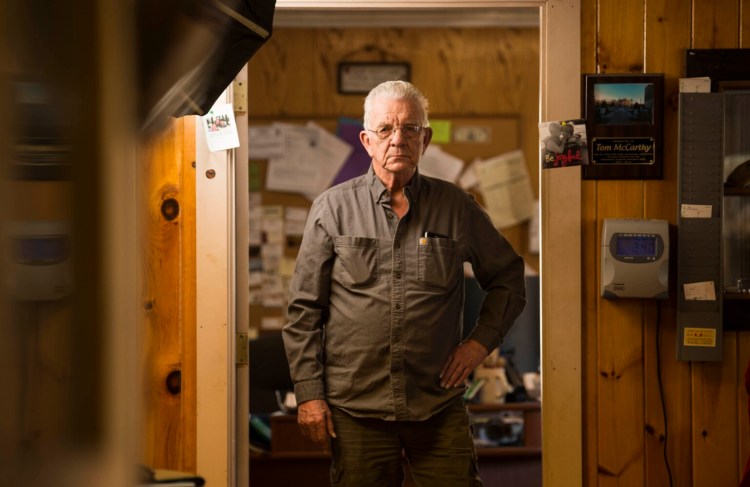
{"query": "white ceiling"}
(469, 17)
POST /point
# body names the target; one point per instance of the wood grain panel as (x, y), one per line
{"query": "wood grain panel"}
(715, 24)
(744, 24)
(167, 255)
(620, 359)
(620, 38)
(667, 35)
(620, 393)
(715, 418)
(283, 67)
(590, 267)
(188, 298)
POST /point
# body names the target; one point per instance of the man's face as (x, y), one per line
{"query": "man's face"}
(399, 154)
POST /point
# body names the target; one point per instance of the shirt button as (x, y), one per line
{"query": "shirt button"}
(397, 275)
(398, 306)
(390, 216)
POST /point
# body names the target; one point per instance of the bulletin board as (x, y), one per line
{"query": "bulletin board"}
(470, 138)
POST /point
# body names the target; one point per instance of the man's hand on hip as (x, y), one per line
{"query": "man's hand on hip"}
(314, 420)
(462, 362)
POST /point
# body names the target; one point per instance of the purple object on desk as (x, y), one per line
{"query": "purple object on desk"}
(359, 160)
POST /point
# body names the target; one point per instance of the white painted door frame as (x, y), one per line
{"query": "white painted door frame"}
(560, 189)
(215, 312)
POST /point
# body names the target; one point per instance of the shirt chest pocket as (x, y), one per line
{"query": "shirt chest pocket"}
(356, 261)
(437, 262)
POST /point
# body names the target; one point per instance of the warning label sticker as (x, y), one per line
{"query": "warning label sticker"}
(699, 337)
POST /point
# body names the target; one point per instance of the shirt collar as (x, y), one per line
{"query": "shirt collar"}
(380, 193)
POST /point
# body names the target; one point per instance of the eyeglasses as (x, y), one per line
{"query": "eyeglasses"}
(407, 131)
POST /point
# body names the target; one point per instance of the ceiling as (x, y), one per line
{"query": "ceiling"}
(454, 17)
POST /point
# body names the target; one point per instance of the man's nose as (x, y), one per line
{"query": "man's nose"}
(398, 136)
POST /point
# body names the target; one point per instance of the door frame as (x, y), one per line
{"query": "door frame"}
(560, 263)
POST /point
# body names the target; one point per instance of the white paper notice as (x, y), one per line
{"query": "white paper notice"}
(271, 322)
(506, 189)
(468, 178)
(695, 211)
(296, 217)
(439, 164)
(700, 291)
(330, 154)
(695, 85)
(265, 141)
(534, 229)
(312, 158)
(220, 128)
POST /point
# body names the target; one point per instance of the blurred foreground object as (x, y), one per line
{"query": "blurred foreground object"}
(190, 51)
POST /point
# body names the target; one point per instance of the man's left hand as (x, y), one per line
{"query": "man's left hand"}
(462, 362)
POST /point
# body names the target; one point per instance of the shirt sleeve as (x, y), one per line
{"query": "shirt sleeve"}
(308, 307)
(499, 271)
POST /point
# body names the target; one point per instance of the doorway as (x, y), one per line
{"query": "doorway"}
(560, 263)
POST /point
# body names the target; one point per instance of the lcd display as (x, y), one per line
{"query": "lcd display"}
(40, 250)
(636, 246)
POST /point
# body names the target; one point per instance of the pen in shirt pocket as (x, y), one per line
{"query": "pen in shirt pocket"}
(423, 240)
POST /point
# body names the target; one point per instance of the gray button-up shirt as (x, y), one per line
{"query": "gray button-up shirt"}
(376, 302)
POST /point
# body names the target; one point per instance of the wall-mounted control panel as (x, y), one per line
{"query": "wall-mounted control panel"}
(635, 258)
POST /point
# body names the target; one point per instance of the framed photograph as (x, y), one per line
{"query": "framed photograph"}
(624, 123)
(358, 78)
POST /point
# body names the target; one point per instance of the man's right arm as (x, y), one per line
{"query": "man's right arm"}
(308, 308)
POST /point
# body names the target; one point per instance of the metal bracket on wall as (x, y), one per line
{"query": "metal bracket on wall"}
(239, 99)
(241, 351)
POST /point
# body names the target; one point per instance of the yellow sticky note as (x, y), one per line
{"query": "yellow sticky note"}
(699, 337)
(441, 131)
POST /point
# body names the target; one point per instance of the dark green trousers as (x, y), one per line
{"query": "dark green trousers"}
(439, 451)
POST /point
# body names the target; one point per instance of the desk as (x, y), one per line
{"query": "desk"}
(294, 460)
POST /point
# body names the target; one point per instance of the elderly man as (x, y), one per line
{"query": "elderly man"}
(374, 338)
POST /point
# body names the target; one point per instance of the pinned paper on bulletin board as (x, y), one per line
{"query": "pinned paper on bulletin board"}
(506, 188)
(358, 162)
(441, 131)
(220, 128)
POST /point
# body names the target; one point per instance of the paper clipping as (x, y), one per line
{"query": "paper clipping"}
(563, 143)
(220, 128)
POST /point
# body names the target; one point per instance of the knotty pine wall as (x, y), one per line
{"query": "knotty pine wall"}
(708, 437)
(168, 334)
(462, 71)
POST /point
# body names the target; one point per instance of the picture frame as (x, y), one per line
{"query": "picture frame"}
(624, 122)
(358, 78)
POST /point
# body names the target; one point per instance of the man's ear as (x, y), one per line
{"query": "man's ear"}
(364, 138)
(427, 138)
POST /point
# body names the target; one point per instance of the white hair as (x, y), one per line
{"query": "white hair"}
(399, 90)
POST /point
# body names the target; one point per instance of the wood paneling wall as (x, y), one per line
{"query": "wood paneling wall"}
(463, 72)
(628, 343)
(168, 360)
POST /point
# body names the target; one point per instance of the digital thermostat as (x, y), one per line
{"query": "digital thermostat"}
(37, 258)
(635, 258)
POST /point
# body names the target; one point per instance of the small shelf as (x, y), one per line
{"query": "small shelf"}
(506, 406)
(510, 452)
(735, 296)
(733, 191)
